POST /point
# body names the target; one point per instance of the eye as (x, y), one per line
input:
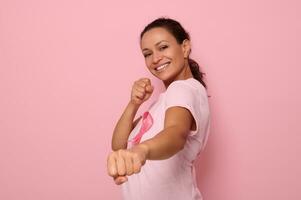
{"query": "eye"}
(146, 55)
(163, 47)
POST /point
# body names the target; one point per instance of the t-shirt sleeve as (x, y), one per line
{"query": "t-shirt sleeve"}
(184, 95)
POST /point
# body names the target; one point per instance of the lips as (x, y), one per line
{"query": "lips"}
(162, 67)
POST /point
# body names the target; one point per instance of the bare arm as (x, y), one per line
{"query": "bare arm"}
(124, 127)
(136, 121)
(178, 122)
(141, 91)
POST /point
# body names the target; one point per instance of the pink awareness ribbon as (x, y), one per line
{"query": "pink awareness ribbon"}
(147, 122)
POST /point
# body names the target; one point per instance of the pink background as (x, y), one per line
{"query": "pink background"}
(67, 67)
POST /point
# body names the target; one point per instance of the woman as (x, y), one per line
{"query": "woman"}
(158, 163)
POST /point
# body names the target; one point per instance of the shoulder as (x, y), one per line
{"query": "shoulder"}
(186, 87)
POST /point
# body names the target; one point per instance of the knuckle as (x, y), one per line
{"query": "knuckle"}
(127, 153)
(138, 89)
(143, 88)
(120, 152)
(142, 83)
(111, 155)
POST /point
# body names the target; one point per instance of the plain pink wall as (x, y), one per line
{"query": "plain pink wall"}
(66, 70)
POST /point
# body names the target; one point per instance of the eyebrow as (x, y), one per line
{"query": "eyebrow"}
(155, 44)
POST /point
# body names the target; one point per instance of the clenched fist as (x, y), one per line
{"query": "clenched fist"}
(125, 162)
(141, 91)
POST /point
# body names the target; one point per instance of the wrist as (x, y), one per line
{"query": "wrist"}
(133, 105)
(143, 150)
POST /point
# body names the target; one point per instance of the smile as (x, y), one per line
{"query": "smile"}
(162, 67)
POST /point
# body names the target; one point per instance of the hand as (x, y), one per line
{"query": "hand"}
(141, 91)
(125, 162)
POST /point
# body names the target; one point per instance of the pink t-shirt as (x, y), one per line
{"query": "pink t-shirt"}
(172, 178)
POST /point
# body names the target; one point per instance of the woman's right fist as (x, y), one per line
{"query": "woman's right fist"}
(141, 91)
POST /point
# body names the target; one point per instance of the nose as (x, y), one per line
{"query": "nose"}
(156, 57)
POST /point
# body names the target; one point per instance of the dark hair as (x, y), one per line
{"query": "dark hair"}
(176, 29)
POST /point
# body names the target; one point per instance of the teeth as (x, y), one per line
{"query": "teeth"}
(161, 67)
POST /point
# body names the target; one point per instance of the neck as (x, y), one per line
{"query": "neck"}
(183, 75)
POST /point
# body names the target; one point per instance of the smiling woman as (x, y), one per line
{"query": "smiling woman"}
(175, 128)
(172, 43)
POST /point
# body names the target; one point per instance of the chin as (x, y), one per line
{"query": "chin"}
(165, 78)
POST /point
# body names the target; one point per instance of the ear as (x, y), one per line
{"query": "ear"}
(186, 47)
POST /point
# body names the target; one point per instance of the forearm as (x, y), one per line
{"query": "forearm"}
(165, 144)
(124, 127)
